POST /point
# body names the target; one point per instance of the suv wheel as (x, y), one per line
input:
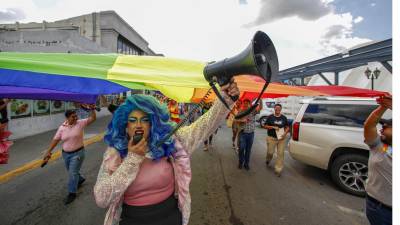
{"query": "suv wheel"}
(263, 121)
(350, 173)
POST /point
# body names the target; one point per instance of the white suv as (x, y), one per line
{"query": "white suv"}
(328, 133)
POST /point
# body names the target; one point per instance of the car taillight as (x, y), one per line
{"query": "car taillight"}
(296, 129)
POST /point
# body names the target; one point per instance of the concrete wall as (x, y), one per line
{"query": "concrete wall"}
(109, 20)
(89, 26)
(109, 39)
(47, 41)
(93, 28)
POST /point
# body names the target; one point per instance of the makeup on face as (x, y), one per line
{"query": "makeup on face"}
(138, 126)
(142, 120)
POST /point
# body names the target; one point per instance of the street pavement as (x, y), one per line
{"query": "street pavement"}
(221, 193)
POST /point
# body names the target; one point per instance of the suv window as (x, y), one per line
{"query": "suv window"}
(270, 104)
(339, 115)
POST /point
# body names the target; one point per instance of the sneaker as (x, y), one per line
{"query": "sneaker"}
(267, 162)
(278, 174)
(81, 182)
(247, 167)
(205, 148)
(240, 166)
(70, 198)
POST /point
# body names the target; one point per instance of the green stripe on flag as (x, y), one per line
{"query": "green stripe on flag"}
(82, 65)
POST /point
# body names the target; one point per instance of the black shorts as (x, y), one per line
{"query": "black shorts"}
(163, 213)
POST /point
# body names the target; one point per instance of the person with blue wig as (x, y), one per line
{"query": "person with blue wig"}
(141, 183)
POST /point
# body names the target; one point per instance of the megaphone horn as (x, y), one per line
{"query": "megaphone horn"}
(258, 59)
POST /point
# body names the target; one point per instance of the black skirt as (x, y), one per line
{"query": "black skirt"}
(163, 213)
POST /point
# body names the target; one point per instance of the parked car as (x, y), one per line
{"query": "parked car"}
(266, 110)
(328, 134)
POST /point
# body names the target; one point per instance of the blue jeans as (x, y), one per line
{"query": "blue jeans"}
(245, 144)
(73, 162)
(377, 213)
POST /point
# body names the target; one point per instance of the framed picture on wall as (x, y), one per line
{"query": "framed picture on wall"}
(20, 108)
(70, 105)
(57, 107)
(41, 107)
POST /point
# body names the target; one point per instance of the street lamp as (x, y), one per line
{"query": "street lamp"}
(372, 75)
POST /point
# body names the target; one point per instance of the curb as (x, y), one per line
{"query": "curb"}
(37, 162)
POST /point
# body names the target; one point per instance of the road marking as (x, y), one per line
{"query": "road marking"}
(37, 162)
(351, 211)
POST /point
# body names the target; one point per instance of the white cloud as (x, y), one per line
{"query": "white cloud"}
(373, 4)
(358, 19)
(272, 10)
(11, 14)
(212, 30)
(339, 35)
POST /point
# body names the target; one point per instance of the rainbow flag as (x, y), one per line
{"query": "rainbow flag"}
(71, 74)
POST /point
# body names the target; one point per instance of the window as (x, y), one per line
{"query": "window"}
(270, 104)
(339, 115)
(124, 46)
(119, 46)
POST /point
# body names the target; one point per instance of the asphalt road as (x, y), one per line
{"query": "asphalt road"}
(221, 193)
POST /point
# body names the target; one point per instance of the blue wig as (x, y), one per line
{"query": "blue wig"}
(117, 137)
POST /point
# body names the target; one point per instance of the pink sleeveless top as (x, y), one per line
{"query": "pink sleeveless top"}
(153, 184)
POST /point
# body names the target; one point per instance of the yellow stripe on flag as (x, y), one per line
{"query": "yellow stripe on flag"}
(158, 70)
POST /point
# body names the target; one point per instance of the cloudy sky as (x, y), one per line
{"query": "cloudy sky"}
(207, 30)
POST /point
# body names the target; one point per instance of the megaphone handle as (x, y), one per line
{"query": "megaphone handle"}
(183, 121)
(219, 95)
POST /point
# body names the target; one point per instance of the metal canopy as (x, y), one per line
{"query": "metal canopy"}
(376, 52)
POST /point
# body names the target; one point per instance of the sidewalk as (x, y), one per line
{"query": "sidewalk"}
(31, 148)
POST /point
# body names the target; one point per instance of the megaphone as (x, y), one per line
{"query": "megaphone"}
(258, 59)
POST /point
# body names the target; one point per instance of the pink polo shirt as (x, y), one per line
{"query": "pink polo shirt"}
(71, 135)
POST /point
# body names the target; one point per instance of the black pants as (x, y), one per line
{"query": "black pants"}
(163, 213)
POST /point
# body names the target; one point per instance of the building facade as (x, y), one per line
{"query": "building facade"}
(97, 32)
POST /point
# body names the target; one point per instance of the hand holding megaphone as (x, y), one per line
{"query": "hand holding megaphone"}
(231, 89)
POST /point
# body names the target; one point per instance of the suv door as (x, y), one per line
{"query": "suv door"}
(330, 136)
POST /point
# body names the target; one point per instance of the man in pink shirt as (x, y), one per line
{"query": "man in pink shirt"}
(73, 152)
